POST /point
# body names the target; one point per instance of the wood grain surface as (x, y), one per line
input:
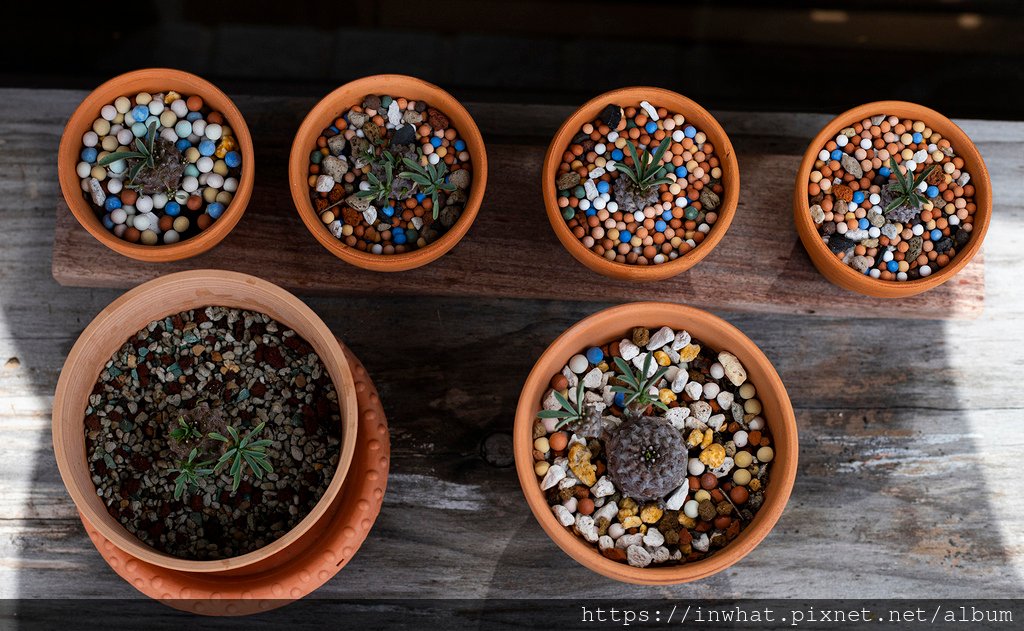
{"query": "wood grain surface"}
(511, 251)
(912, 432)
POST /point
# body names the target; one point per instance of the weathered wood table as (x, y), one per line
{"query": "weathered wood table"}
(912, 431)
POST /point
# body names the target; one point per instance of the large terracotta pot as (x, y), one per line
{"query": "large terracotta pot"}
(676, 103)
(332, 106)
(615, 323)
(845, 276)
(131, 312)
(129, 84)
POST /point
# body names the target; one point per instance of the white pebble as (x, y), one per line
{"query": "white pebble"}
(144, 204)
(108, 112)
(180, 108)
(171, 236)
(756, 423)
(231, 185)
(215, 180)
(578, 364)
(204, 164)
(616, 530)
(717, 371)
(690, 509)
(90, 139)
(925, 270)
(141, 222)
(694, 466)
(118, 215)
(190, 184)
(114, 185)
(711, 390)
(83, 169)
(740, 438)
(198, 128)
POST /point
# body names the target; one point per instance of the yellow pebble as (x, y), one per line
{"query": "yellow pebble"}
(666, 396)
(695, 438)
(686, 522)
(224, 197)
(713, 455)
(662, 358)
(631, 522)
(327, 217)
(765, 454)
(741, 477)
(541, 468)
(171, 97)
(689, 352)
(541, 444)
(752, 406)
(708, 437)
(702, 495)
(192, 154)
(651, 514)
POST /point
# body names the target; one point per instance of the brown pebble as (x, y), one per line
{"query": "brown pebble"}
(708, 481)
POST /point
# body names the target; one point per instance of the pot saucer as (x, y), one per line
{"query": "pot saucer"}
(357, 507)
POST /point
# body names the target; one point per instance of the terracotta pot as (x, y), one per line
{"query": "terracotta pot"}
(131, 312)
(615, 323)
(676, 103)
(131, 83)
(331, 107)
(849, 278)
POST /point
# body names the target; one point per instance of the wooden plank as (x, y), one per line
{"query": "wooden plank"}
(511, 251)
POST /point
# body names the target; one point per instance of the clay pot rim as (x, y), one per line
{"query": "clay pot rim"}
(329, 108)
(844, 275)
(81, 121)
(676, 103)
(784, 430)
(309, 325)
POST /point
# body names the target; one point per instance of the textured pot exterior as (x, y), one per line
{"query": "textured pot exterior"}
(332, 106)
(129, 84)
(845, 276)
(718, 334)
(694, 114)
(135, 309)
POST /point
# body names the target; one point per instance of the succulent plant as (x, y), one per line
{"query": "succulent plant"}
(647, 458)
(155, 166)
(190, 470)
(647, 171)
(903, 191)
(381, 178)
(243, 453)
(430, 179)
(636, 388)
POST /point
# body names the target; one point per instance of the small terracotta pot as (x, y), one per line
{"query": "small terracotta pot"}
(131, 312)
(615, 323)
(331, 107)
(129, 84)
(675, 103)
(849, 278)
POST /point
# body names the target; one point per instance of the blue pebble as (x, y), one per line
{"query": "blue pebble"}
(917, 136)
(651, 127)
(660, 225)
(837, 154)
(884, 171)
(863, 224)
(625, 236)
(935, 234)
(667, 215)
(689, 131)
(389, 211)
(681, 171)
(591, 211)
(207, 148)
(595, 355)
(398, 236)
(435, 141)
(182, 145)
(192, 170)
(603, 187)
(139, 130)
(892, 266)
(89, 154)
(620, 400)
(108, 223)
(233, 159)
(193, 116)
(933, 191)
(214, 210)
(140, 113)
(420, 197)
(112, 203)
(172, 208)
(617, 154)
(460, 145)
(334, 129)
(858, 197)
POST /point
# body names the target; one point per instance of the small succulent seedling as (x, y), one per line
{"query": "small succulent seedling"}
(430, 179)
(243, 453)
(568, 411)
(185, 431)
(905, 188)
(647, 171)
(190, 471)
(144, 154)
(637, 388)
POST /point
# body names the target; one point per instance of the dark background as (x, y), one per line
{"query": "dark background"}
(962, 57)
